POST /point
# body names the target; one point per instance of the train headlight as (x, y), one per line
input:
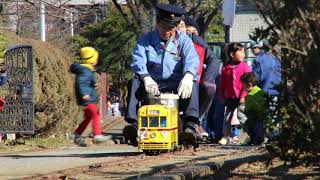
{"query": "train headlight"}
(152, 135)
(164, 134)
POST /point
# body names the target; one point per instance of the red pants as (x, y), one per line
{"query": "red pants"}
(91, 113)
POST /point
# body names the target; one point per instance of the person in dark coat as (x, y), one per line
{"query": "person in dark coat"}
(208, 68)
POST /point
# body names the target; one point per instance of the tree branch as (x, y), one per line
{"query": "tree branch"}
(134, 9)
(295, 50)
(209, 19)
(309, 29)
(125, 16)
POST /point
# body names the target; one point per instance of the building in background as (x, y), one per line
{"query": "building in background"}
(246, 20)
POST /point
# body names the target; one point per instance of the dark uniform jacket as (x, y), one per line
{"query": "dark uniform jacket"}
(209, 65)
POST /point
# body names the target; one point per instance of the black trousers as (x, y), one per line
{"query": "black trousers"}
(136, 93)
(207, 92)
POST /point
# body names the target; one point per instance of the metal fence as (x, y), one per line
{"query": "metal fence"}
(18, 113)
(216, 47)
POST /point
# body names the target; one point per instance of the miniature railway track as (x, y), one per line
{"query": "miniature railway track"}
(124, 161)
(130, 160)
(112, 123)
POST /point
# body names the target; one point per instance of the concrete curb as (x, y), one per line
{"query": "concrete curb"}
(198, 170)
(191, 172)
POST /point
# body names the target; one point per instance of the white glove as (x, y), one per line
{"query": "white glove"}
(150, 85)
(185, 86)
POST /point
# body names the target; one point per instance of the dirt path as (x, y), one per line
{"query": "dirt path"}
(115, 161)
(110, 162)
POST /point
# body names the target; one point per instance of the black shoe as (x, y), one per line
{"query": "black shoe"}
(250, 143)
(258, 142)
(190, 135)
(215, 139)
(130, 134)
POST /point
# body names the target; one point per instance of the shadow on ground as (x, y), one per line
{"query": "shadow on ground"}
(247, 167)
(89, 155)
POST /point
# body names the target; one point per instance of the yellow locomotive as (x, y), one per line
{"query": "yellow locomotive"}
(158, 125)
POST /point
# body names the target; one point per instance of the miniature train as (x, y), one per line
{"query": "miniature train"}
(158, 125)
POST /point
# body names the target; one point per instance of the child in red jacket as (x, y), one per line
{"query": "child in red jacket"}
(232, 92)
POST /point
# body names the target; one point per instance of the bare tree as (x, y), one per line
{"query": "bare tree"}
(22, 16)
(140, 14)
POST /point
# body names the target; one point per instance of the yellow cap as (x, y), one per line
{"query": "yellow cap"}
(89, 55)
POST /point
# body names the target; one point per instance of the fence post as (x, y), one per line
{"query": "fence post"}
(103, 99)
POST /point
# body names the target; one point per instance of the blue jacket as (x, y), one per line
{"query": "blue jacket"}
(268, 71)
(164, 62)
(84, 84)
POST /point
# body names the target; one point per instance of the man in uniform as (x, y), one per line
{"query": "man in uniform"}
(164, 60)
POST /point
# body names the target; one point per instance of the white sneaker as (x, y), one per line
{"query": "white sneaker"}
(204, 134)
(223, 141)
(101, 138)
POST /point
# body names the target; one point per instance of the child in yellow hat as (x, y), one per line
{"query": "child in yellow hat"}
(85, 84)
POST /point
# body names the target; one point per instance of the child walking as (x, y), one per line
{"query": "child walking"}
(231, 90)
(85, 88)
(255, 108)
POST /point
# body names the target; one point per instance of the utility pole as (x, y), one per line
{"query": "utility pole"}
(227, 34)
(71, 23)
(104, 10)
(228, 10)
(42, 21)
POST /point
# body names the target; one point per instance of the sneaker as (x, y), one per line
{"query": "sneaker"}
(201, 133)
(198, 132)
(80, 141)
(101, 138)
(223, 141)
(234, 140)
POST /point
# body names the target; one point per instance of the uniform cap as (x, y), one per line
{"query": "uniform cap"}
(256, 46)
(259, 44)
(89, 55)
(169, 15)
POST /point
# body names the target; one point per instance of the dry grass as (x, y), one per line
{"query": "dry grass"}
(34, 143)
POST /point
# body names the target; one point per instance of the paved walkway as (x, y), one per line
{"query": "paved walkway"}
(18, 165)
